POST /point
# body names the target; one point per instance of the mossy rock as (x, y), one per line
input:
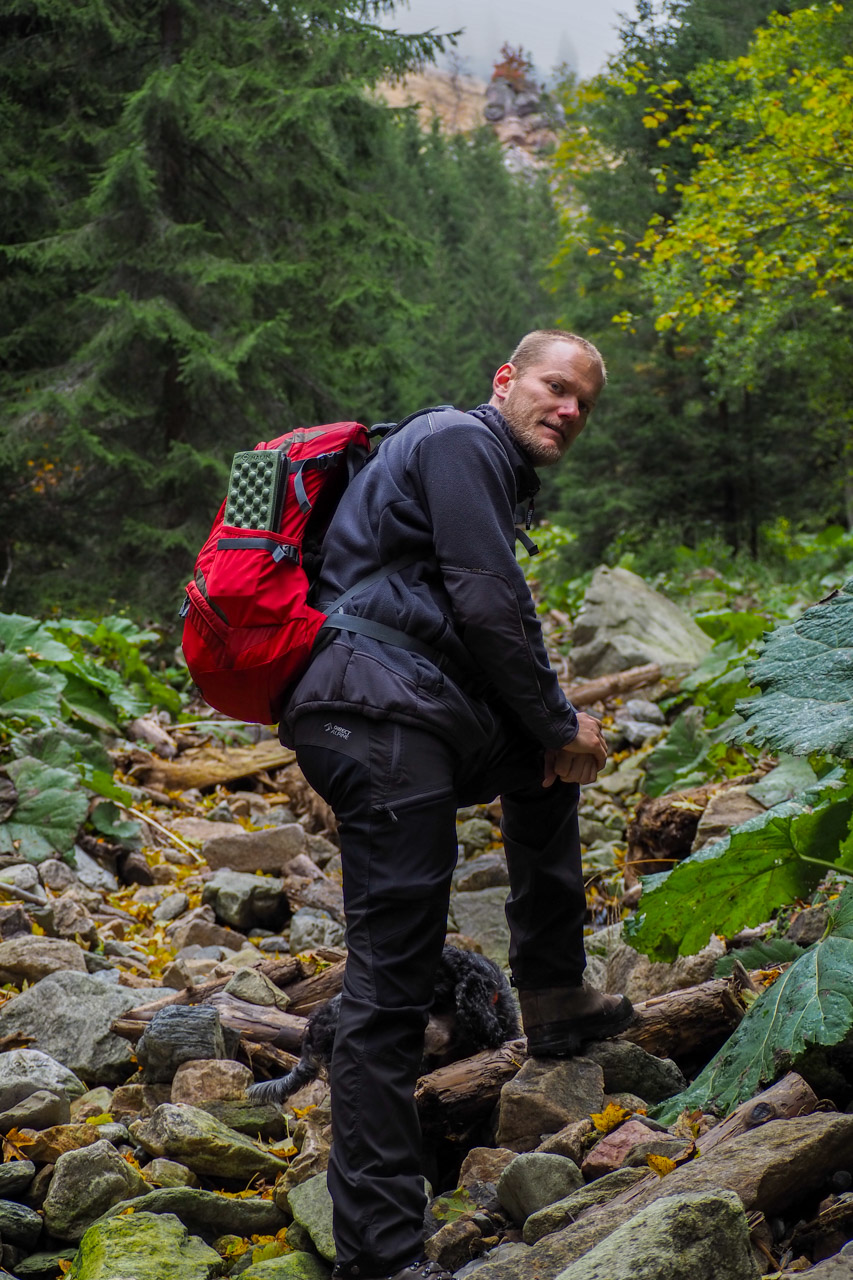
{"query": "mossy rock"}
(290, 1266)
(146, 1246)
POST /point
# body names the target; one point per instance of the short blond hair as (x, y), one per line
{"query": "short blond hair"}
(533, 346)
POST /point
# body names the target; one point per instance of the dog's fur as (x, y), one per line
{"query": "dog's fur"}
(473, 1003)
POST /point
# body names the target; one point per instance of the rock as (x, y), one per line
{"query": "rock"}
(242, 900)
(311, 928)
(311, 1206)
(290, 1266)
(454, 1244)
(640, 709)
(535, 1180)
(15, 1176)
(34, 958)
(209, 1215)
(203, 829)
(638, 732)
(199, 928)
(23, 875)
(24, 1071)
(56, 875)
(572, 1140)
(724, 810)
(68, 1015)
(559, 1214)
(481, 915)
(475, 835)
(38, 1111)
(265, 1120)
(41, 1266)
(486, 871)
(808, 926)
(168, 1173)
(84, 1185)
(177, 1034)
(172, 906)
(19, 1225)
(14, 921)
(687, 1237)
(96, 1102)
(197, 1082)
(130, 1101)
(269, 850)
(196, 1139)
(612, 1150)
(623, 623)
(628, 1066)
(72, 920)
(48, 1145)
(544, 1097)
(137, 1246)
(256, 988)
(485, 1164)
(637, 977)
(92, 874)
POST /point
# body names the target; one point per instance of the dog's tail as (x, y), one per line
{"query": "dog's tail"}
(278, 1091)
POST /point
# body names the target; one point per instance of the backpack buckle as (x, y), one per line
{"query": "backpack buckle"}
(286, 552)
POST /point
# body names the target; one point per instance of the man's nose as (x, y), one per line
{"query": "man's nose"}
(569, 407)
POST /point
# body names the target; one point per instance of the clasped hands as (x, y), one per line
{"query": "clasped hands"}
(579, 760)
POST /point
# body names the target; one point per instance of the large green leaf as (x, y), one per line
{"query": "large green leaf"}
(805, 673)
(674, 760)
(26, 693)
(810, 1004)
(51, 806)
(81, 699)
(62, 746)
(739, 881)
(20, 634)
(126, 700)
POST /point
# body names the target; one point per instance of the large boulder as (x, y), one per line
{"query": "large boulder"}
(84, 1185)
(205, 1145)
(27, 1071)
(624, 623)
(139, 1246)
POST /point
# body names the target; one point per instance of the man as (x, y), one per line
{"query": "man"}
(396, 739)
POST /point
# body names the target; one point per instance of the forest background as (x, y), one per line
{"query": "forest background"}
(213, 230)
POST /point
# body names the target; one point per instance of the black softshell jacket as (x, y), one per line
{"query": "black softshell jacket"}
(444, 486)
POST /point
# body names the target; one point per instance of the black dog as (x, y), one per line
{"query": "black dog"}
(472, 1009)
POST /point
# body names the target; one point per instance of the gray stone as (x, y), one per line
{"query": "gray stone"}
(269, 850)
(85, 1184)
(482, 915)
(209, 1215)
(311, 1206)
(40, 1266)
(559, 1214)
(535, 1180)
(176, 1034)
(69, 1015)
(205, 1145)
(199, 928)
(627, 1066)
(312, 928)
(172, 906)
(839, 1267)
(14, 921)
(725, 810)
(483, 872)
(242, 900)
(660, 1145)
(38, 1111)
(92, 874)
(808, 926)
(15, 1176)
(143, 1246)
(168, 1173)
(19, 1225)
(33, 958)
(623, 623)
(95, 1102)
(687, 1237)
(56, 875)
(637, 977)
(640, 709)
(256, 988)
(70, 919)
(22, 876)
(546, 1095)
(290, 1266)
(474, 835)
(638, 732)
(592, 831)
(24, 1071)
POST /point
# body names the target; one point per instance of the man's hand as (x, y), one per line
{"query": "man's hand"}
(581, 759)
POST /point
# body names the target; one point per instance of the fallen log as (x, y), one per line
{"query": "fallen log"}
(262, 1024)
(469, 1087)
(316, 990)
(281, 972)
(604, 687)
(209, 766)
(680, 1024)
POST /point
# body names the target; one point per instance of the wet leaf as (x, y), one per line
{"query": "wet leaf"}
(662, 1165)
(610, 1118)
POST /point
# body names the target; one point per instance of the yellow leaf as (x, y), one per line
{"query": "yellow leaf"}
(104, 1118)
(610, 1118)
(662, 1165)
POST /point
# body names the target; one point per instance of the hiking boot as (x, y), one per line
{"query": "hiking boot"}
(559, 1020)
(424, 1269)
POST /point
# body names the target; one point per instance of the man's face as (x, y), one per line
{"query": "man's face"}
(547, 406)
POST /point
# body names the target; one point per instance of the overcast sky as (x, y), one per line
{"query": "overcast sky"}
(582, 33)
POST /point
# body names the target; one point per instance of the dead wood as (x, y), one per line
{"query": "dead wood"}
(281, 972)
(468, 1088)
(208, 766)
(316, 990)
(305, 799)
(681, 1023)
(261, 1024)
(604, 687)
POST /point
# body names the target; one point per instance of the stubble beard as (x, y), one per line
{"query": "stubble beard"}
(527, 431)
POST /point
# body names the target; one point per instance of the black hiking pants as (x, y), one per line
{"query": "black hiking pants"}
(395, 791)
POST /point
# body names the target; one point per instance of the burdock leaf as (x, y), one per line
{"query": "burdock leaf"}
(51, 806)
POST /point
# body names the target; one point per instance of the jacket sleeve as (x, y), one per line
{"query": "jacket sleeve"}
(467, 486)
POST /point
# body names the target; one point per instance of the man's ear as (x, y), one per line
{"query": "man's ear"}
(502, 381)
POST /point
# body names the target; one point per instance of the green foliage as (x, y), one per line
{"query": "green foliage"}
(759, 955)
(49, 810)
(809, 1004)
(805, 673)
(765, 863)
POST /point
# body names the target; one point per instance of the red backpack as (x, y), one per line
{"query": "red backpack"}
(248, 626)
